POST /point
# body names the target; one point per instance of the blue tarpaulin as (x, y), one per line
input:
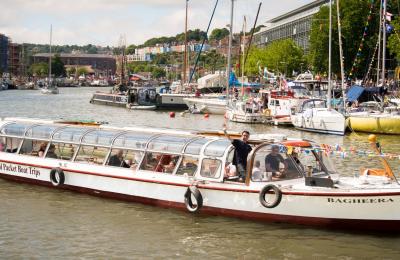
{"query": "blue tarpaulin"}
(354, 93)
(233, 81)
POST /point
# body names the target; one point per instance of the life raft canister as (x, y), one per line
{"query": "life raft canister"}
(193, 206)
(57, 176)
(275, 190)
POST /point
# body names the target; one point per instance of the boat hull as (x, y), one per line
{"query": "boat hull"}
(320, 121)
(328, 208)
(375, 124)
(207, 105)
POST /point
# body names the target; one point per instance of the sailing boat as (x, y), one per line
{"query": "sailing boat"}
(50, 87)
(385, 120)
(317, 115)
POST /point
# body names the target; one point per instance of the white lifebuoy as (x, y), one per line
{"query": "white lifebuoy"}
(267, 189)
(57, 176)
(193, 206)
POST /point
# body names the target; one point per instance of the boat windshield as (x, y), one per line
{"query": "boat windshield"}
(315, 103)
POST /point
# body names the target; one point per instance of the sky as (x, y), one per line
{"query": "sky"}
(104, 22)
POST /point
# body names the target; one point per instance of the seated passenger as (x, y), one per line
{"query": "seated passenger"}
(51, 152)
(291, 164)
(230, 170)
(272, 161)
(118, 160)
(42, 149)
(256, 173)
(170, 167)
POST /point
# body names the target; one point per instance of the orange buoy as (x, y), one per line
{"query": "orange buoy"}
(172, 114)
(206, 115)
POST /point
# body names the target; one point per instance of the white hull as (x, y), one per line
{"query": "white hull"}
(320, 120)
(207, 105)
(237, 112)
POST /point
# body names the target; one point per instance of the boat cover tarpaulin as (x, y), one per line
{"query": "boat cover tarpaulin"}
(354, 93)
(233, 81)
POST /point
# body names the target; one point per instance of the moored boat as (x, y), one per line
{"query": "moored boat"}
(185, 170)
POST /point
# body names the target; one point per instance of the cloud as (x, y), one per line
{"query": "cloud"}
(103, 21)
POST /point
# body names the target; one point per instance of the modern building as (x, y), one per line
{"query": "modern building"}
(3, 53)
(295, 25)
(105, 64)
(15, 66)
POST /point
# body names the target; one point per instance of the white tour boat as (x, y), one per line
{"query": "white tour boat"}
(185, 170)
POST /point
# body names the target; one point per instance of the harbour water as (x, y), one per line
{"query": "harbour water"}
(38, 222)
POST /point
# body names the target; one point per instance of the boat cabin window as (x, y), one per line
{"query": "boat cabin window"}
(217, 148)
(315, 163)
(9, 144)
(159, 162)
(41, 131)
(99, 137)
(124, 158)
(70, 134)
(210, 168)
(33, 147)
(196, 146)
(272, 163)
(133, 140)
(188, 166)
(168, 143)
(16, 129)
(314, 104)
(91, 154)
(63, 151)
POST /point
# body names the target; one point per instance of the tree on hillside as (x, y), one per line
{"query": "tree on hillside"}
(394, 39)
(282, 56)
(39, 69)
(130, 49)
(218, 34)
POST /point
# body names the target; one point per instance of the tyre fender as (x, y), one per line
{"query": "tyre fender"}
(195, 205)
(267, 189)
(57, 176)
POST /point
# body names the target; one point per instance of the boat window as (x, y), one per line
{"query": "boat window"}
(210, 168)
(159, 162)
(41, 131)
(99, 137)
(271, 163)
(10, 144)
(17, 129)
(125, 158)
(61, 151)
(195, 146)
(188, 166)
(173, 144)
(91, 154)
(70, 134)
(33, 147)
(315, 163)
(217, 148)
(133, 140)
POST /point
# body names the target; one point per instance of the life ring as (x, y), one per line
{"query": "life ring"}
(193, 192)
(276, 191)
(57, 176)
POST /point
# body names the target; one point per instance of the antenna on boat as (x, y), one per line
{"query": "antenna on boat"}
(51, 35)
(341, 54)
(186, 43)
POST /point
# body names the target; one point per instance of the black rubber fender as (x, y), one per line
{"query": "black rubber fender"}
(189, 203)
(276, 191)
(57, 176)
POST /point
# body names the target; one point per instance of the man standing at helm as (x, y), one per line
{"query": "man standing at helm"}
(242, 150)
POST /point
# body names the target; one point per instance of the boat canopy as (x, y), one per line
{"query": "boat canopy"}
(117, 138)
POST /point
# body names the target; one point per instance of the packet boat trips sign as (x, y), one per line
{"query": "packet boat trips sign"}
(19, 169)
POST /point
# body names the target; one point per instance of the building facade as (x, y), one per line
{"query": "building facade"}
(294, 25)
(101, 63)
(3, 53)
(15, 66)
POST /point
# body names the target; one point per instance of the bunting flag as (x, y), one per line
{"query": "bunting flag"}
(357, 59)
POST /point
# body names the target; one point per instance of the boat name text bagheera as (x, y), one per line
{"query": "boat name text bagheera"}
(352, 201)
(19, 169)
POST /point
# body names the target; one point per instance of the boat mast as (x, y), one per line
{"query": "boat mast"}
(384, 43)
(186, 43)
(330, 56)
(228, 69)
(51, 32)
(341, 53)
(243, 52)
(379, 44)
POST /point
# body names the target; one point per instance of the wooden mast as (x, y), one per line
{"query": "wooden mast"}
(186, 43)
